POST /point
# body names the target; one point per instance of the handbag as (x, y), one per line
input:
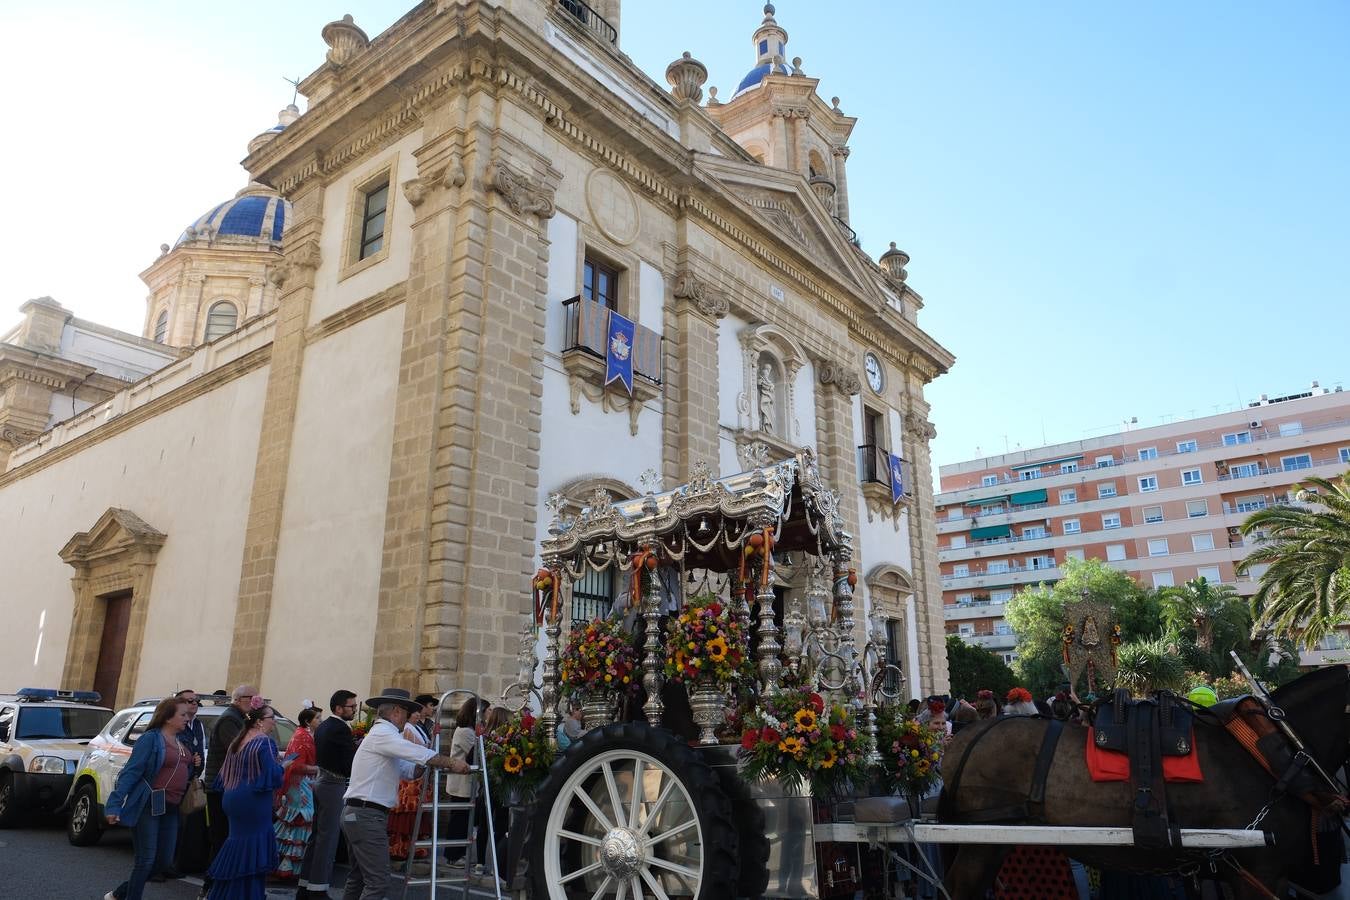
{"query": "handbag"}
(194, 798)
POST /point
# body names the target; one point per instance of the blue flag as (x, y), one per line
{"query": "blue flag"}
(897, 479)
(619, 350)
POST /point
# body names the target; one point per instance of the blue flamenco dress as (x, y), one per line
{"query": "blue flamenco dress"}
(240, 869)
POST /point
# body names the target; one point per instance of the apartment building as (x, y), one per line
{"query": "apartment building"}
(1163, 503)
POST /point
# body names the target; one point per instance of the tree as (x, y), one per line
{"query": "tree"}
(1150, 665)
(1037, 615)
(1305, 591)
(973, 669)
(1206, 621)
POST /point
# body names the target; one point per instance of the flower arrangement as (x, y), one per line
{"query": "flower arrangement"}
(599, 656)
(795, 737)
(910, 752)
(361, 724)
(705, 640)
(519, 754)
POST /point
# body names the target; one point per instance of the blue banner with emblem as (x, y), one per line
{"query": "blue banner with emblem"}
(619, 350)
(897, 479)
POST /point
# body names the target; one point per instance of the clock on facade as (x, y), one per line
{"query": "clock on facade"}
(876, 379)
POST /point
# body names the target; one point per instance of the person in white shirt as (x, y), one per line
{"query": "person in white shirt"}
(383, 758)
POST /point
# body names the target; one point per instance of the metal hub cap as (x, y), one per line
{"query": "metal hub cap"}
(622, 853)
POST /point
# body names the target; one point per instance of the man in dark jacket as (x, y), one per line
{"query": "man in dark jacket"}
(334, 747)
(228, 726)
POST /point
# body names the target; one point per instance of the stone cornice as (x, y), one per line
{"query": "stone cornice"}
(41, 368)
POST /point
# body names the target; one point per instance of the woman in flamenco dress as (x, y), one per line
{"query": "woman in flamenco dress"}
(249, 777)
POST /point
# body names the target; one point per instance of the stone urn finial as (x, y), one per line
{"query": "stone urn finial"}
(686, 76)
(894, 261)
(824, 189)
(345, 40)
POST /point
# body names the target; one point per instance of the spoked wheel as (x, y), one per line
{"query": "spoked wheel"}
(631, 813)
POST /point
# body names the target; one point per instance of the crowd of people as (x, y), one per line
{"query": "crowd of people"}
(273, 814)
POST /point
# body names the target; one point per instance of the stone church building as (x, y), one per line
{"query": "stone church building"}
(325, 461)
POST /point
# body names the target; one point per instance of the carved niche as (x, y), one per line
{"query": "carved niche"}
(767, 425)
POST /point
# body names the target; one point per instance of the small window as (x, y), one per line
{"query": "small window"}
(1345, 454)
(1147, 453)
(1070, 495)
(1191, 476)
(1289, 429)
(966, 629)
(763, 48)
(958, 541)
(220, 320)
(1158, 547)
(374, 209)
(955, 513)
(1163, 579)
(1152, 514)
(1210, 574)
(992, 509)
(162, 327)
(1115, 552)
(1029, 474)
(1105, 462)
(1040, 562)
(961, 571)
(1244, 470)
(1201, 543)
(1292, 463)
(1106, 489)
(600, 283)
(1110, 520)
(1075, 553)
(1148, 483)
(1034, 532)
(989, 481)
(1196, 509)
(997, 567)
(1066, 468)
(1187, 446)
(963, 599)
(1237, 437)
(1001, 596)
(1072, 526)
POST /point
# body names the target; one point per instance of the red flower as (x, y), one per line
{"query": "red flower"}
(749, 739)
(769, 736)
(715, 609)
(838, 732)
(527, 722)
(817, 704)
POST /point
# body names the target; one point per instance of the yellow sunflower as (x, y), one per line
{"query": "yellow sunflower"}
(827, 761)
(717, 649)
(513, 763)
(806, 719)
(793, 745)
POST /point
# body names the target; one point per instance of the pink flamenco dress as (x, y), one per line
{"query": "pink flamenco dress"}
(248, 779)
(295, 805)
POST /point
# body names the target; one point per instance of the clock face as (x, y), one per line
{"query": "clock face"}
(872, 366)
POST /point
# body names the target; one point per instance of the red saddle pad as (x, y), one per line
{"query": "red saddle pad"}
(1107, 765)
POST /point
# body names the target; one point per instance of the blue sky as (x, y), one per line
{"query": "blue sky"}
(1113, 210)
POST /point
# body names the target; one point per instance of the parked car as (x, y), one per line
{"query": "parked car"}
(43, 734)
(109, 751)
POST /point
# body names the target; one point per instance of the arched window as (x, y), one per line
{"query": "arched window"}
(162, 327)
(221, 319)
(593, 594)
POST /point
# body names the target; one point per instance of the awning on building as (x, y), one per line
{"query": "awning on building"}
(990, 531)
(1023, 498)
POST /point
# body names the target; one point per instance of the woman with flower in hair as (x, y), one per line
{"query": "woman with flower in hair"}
(248, 777)
(1020, 703)
(295, 797)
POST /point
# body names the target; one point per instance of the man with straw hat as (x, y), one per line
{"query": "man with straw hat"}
(382, 760)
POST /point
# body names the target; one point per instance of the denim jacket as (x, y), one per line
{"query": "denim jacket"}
(131, 795)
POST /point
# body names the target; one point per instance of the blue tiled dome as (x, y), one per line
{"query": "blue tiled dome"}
(757, 75)
(255, 213)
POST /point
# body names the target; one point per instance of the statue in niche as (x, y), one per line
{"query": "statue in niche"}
(766, 398)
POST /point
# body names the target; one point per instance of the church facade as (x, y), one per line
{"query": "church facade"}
(392, 354)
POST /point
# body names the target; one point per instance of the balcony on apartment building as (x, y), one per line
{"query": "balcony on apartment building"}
(1000, 639)
(1013, 573)
(977, 609)
(1299, 464)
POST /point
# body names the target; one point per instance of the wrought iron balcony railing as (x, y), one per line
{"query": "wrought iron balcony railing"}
(591, 20)
(587, 327)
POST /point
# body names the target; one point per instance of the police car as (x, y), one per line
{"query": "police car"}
(108, 752)
(43, 733)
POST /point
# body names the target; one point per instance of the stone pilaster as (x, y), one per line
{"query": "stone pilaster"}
(917, 433)
(295, 277)
(836, 386)
(691, 407)
(840, 155)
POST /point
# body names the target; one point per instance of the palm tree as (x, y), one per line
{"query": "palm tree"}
(1202, 607)
(1150, 665)
(1305, 592)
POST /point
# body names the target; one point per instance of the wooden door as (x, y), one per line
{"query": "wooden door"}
(112, 646)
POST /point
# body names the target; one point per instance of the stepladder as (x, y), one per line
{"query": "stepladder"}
(445, 827)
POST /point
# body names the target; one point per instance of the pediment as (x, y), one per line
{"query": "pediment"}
(115, 531)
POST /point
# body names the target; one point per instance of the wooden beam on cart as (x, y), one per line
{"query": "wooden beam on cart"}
(1063, 836)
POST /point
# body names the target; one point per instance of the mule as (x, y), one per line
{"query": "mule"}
(998, 775)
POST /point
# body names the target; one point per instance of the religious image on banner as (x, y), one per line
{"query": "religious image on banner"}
(619, 350)
(897, 479)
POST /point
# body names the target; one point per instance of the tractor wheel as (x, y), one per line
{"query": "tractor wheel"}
(630, 811)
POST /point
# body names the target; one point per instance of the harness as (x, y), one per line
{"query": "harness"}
(1033, 808)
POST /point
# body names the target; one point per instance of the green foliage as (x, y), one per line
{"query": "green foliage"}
(1150, 665)
(1037, 615)
(1206, 621)
(973, 669)
(1305, 592)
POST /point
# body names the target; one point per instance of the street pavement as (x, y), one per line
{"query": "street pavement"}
(38, 863)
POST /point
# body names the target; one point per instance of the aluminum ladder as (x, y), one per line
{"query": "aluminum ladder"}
(442, 875)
